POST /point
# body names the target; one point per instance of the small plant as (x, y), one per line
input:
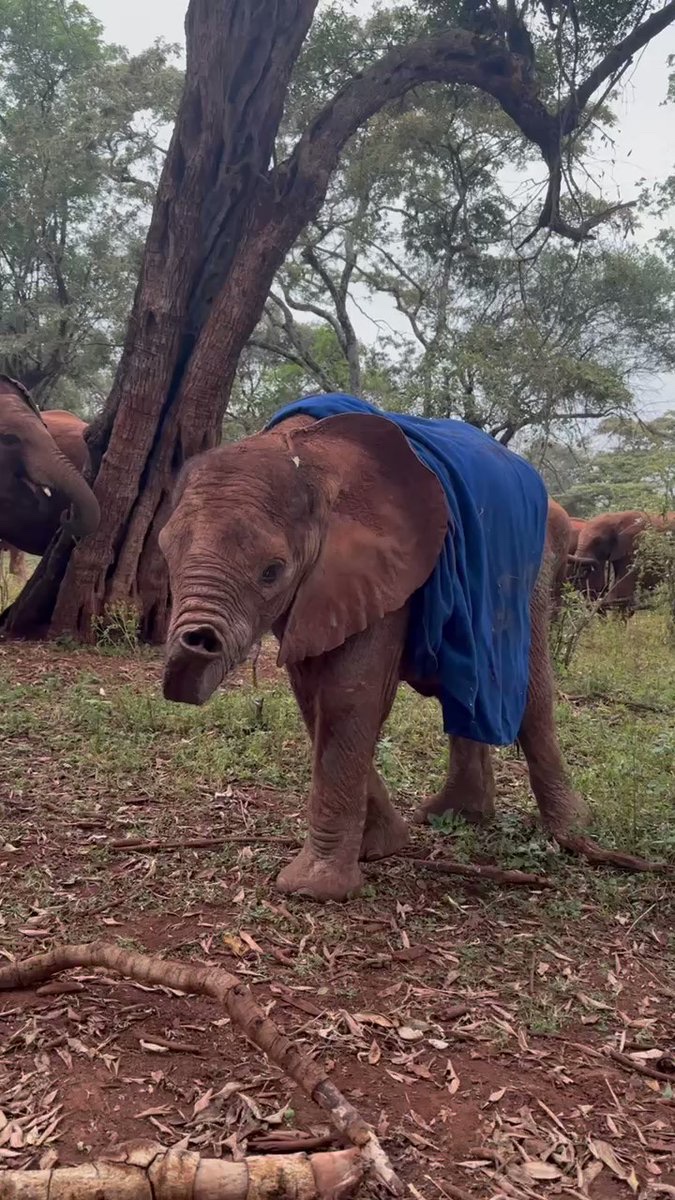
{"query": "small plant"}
(575, 614)
(117, 630)
(655, 567)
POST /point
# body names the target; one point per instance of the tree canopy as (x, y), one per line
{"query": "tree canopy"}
(426, 221)
(80, 155)
(633, 467)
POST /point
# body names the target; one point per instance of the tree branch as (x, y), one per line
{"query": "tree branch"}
(305, 358)
(617, 57)
(302, 359)
(457, 56)
(347, 338)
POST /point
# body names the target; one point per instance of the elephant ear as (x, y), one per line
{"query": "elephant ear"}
(387, 518)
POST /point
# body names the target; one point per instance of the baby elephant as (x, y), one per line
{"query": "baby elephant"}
(377, 548)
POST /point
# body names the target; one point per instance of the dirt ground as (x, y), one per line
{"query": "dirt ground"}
(473, 1025)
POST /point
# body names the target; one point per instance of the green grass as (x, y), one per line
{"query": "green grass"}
(620, 757)
(101, 743)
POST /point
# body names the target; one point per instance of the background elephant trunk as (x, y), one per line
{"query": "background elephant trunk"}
(48, 467)
(582, 560)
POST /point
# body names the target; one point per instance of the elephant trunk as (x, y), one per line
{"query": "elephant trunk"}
(210, 633)
(55, 471)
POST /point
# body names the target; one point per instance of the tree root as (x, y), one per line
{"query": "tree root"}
(599, 856)
(443, 866)
(245, 1013)
(144, 1170)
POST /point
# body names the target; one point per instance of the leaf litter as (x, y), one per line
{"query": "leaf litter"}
(475, 1028)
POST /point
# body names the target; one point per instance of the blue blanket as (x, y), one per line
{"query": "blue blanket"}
(470, 622)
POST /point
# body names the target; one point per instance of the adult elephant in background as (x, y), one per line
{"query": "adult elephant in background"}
(610, 541)
(377, 548)
(42, 457)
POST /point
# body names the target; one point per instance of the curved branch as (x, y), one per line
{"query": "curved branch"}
(456, 56)
(302, 359)
(347, 338)
(617, 57)
(307, 306)
(245, 1014)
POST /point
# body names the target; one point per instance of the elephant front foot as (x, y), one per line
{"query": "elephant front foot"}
(320, 878)
(384, 836)
(476, 808)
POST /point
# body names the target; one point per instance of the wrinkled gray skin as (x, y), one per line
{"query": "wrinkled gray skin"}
(39, 482)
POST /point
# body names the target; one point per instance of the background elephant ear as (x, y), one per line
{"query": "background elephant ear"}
(386, 523)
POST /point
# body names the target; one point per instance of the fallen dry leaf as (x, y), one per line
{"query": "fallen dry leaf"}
(407, 1034)
(605, 1153)
(235, 944)
(374, 1054)
(374, 1019)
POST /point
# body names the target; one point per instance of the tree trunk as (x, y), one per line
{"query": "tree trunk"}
(240, 54)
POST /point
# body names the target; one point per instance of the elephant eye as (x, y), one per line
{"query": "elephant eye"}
(272, 572)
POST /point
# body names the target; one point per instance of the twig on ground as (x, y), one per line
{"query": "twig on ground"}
(443, 866)
(66, 988)
(604, 698)
(599, 856)
(244, 1012)
(205, 843)
(177, 1047)
(450, 1190)
(276, 1143)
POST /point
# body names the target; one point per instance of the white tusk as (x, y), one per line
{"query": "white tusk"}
(296, 461)
(48, 492)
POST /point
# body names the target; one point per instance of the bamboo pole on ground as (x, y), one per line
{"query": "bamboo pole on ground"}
(146, 1171)
(245, 1013)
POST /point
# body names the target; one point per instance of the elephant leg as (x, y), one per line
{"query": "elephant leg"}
(563, 811)
(385, 831)
(561, 808)
(344, 697)
(469, 789)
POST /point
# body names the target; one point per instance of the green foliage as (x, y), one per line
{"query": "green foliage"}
(421, 221)
(655, 562)
(117, 630)
(80, 125)
(634, 469)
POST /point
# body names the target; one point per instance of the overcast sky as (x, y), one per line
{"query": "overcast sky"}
(644, 146)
